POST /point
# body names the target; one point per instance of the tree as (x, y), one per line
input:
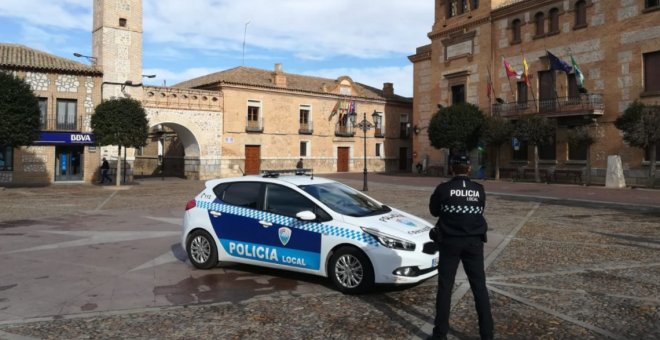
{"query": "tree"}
(640, 124)
(496, 131)
(457, 126)
(535, 130)
(121, 122)
(19, 112)
(582, 135)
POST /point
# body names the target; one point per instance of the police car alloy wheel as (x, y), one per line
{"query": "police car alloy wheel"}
(201, 250)
(350, 271)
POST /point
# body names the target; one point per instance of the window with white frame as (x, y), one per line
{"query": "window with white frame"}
(305, 119)
(405, 126)
(379, 130)
(254, 116)
(304, 148)
(379, 148)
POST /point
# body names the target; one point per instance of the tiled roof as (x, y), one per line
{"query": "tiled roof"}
(294, 82)
(16, 56)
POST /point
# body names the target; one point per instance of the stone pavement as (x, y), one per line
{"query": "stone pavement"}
(83, 261)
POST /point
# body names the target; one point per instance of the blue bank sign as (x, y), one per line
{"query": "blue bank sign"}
(64, 138)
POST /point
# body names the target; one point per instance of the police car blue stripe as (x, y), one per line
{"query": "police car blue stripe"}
(291, 222)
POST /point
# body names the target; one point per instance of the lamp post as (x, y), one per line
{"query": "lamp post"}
(364, 125)
(91, 59)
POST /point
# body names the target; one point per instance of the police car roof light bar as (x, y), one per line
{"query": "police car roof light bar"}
(297, 172)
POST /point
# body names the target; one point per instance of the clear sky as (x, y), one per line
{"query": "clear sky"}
(368, 40)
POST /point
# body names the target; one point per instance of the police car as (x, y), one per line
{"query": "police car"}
(310, 225)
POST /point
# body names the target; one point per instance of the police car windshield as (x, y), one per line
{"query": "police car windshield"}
(345, 200)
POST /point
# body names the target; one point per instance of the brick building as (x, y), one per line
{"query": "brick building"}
(616, 44)
(68, 92)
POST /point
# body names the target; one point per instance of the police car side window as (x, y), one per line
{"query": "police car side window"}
(244, 194)
(284, 201)
(219, 190)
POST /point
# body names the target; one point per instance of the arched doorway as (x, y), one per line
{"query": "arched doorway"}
(171, 151)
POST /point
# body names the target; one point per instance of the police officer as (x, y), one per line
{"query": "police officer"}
(460, 233)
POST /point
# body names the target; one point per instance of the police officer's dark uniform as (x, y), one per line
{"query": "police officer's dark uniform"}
(460, 233)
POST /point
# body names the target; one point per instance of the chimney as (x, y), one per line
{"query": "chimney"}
(279, 79)
(388, 89)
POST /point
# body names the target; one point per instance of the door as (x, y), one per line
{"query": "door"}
(342, 159)
(68, 163)
(547, 94)
(252, 159)
(238, 224)
(403, 158)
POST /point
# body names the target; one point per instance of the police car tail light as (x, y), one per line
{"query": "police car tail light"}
(191, 204)
(390, 241)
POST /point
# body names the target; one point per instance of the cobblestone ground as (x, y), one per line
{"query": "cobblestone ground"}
(563, 272)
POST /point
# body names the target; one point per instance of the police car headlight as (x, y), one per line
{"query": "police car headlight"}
(390, 241)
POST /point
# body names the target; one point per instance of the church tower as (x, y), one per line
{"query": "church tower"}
(117, 46)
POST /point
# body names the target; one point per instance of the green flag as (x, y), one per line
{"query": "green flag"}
(579, 77)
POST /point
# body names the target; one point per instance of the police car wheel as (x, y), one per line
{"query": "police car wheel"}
(350, 271)
(201, 250)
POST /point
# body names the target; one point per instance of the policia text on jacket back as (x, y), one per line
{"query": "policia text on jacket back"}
(460, 233)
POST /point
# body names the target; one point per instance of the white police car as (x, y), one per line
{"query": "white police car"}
(307, 224)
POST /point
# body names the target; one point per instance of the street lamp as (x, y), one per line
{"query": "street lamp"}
(364, 125)
(89, 58)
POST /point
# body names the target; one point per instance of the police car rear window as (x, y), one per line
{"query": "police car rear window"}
(244, 194)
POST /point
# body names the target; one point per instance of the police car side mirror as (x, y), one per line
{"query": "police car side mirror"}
(306, 215)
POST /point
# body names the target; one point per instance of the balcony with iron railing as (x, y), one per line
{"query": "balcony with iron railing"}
(254, 126)
(56, 124)
(305, 129)
(585, 104)
(344, 130)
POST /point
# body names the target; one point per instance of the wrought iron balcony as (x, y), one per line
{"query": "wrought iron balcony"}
(585, 104)
(344, 130)
(59, 124)
(305, 129)
(254, 126)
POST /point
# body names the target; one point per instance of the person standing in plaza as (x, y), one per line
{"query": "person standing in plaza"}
(460, 233)
(105, 167)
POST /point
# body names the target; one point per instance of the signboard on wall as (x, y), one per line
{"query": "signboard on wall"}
(64, 138)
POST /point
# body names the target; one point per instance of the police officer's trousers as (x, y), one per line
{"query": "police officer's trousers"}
(469, 250)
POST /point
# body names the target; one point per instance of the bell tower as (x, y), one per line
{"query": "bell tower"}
(117, 46)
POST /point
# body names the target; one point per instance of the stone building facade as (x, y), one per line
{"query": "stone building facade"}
(68, 92)
(616, 44)
(271, 119)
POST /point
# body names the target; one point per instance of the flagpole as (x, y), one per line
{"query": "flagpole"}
(490, 90)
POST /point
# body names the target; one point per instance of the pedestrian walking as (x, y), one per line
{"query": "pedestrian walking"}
(105, 167)
(460, 234)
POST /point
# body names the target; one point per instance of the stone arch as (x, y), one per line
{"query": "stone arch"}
(199, 133)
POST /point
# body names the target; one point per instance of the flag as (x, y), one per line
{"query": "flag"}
(335, 109)
(510, 72)
(558, 64)
(525, 75)
(489, 85)
(579, 77)
(351, 107)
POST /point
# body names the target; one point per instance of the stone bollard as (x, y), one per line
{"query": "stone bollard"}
(614, 177)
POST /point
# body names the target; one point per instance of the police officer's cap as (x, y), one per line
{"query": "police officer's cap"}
(460, 159)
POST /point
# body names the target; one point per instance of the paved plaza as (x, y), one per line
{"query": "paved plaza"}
(86, 261)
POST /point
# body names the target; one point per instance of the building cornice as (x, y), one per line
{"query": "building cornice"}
(521, 6)
(459, 28)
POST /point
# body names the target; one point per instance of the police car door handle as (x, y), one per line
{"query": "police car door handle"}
(266, 224)
(215, 213)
